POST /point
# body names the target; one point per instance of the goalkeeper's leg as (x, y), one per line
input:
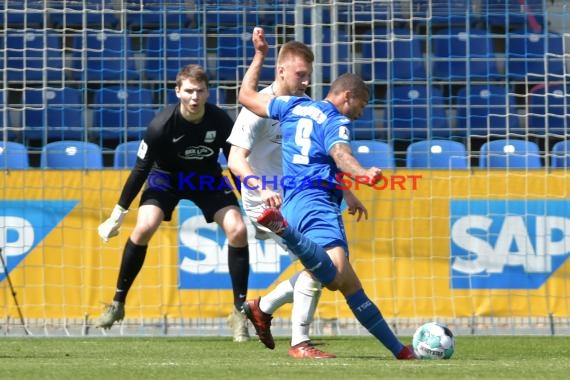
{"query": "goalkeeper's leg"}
(148, 220)
(131, 264)
(230, 220)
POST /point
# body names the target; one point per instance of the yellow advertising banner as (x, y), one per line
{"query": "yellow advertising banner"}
(436, 244)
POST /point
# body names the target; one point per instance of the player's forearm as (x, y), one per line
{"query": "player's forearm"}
(241, 168)
(248, 90)
(346, 162)
(237, 162)
(248, 95)
(132, 187)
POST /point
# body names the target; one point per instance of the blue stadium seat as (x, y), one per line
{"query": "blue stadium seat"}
(92, 14)
(560, 155)
(33, 115)
(526, 53)
(6, 128)
(53, 113)
(364, 128)
(221, 13)
(13, 155)
(373, 153)
(549, 110)
(442, 12)
(488, 109)
(416, 113)
(278, 12)
(71, 155)
(377, 11)
(122, 113)
(461, 53)
(510, 154)
(509, 13)
(21, 14)
(159, 14)
(437, 154)
(125, 155)
(366, 12)
(234, 52)
(104, 56)
(170, 96)
(167, 51)
(392, 54)
(33, 56)
(340, 41)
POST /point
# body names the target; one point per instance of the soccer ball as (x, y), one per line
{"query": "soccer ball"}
(433, 341)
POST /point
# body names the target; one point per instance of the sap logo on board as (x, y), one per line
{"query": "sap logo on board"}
(507, 244)
(25, 223)
(203, 254)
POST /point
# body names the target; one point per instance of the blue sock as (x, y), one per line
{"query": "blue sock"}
(313, 256)
(370, 317)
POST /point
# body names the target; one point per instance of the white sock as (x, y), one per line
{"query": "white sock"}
(282, 294)
(306, 296)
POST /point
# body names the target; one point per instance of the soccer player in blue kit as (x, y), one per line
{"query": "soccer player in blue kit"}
(316, 145)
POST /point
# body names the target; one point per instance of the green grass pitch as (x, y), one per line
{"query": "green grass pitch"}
(163, 358)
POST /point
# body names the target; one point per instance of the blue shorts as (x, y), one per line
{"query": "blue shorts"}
(316, 214)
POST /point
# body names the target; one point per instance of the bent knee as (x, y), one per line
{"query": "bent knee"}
(237, 234)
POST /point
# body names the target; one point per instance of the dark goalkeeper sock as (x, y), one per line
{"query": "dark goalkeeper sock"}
(131, 264)
(238, 264)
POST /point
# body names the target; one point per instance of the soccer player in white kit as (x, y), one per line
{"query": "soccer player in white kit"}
(255, 155)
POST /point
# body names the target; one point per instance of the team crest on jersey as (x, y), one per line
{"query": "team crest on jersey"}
(210, 136)
(143, 148)
(197, 152)
(343, 133)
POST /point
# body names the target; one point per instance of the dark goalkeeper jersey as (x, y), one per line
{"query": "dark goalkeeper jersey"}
(179, 149)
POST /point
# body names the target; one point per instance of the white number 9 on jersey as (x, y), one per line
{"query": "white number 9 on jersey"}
(303, 140)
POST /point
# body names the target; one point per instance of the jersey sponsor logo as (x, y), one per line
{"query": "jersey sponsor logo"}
(210, 136)
(203, 254)
(278, 139)
(25, 223)
(197, 152)
(507, 244)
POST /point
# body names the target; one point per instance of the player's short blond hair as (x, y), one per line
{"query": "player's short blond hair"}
(296, 49)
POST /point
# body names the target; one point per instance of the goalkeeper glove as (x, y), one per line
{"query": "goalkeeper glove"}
(110, 227)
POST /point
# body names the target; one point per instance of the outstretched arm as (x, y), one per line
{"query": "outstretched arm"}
(248, 94)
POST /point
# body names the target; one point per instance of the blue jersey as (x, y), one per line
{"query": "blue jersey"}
(310, 129)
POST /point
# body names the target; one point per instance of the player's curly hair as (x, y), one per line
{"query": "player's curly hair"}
(350, 82)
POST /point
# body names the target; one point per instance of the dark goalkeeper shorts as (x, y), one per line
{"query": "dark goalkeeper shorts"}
(209, 201)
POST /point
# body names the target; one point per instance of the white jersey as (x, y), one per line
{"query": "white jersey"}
(262, 137)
